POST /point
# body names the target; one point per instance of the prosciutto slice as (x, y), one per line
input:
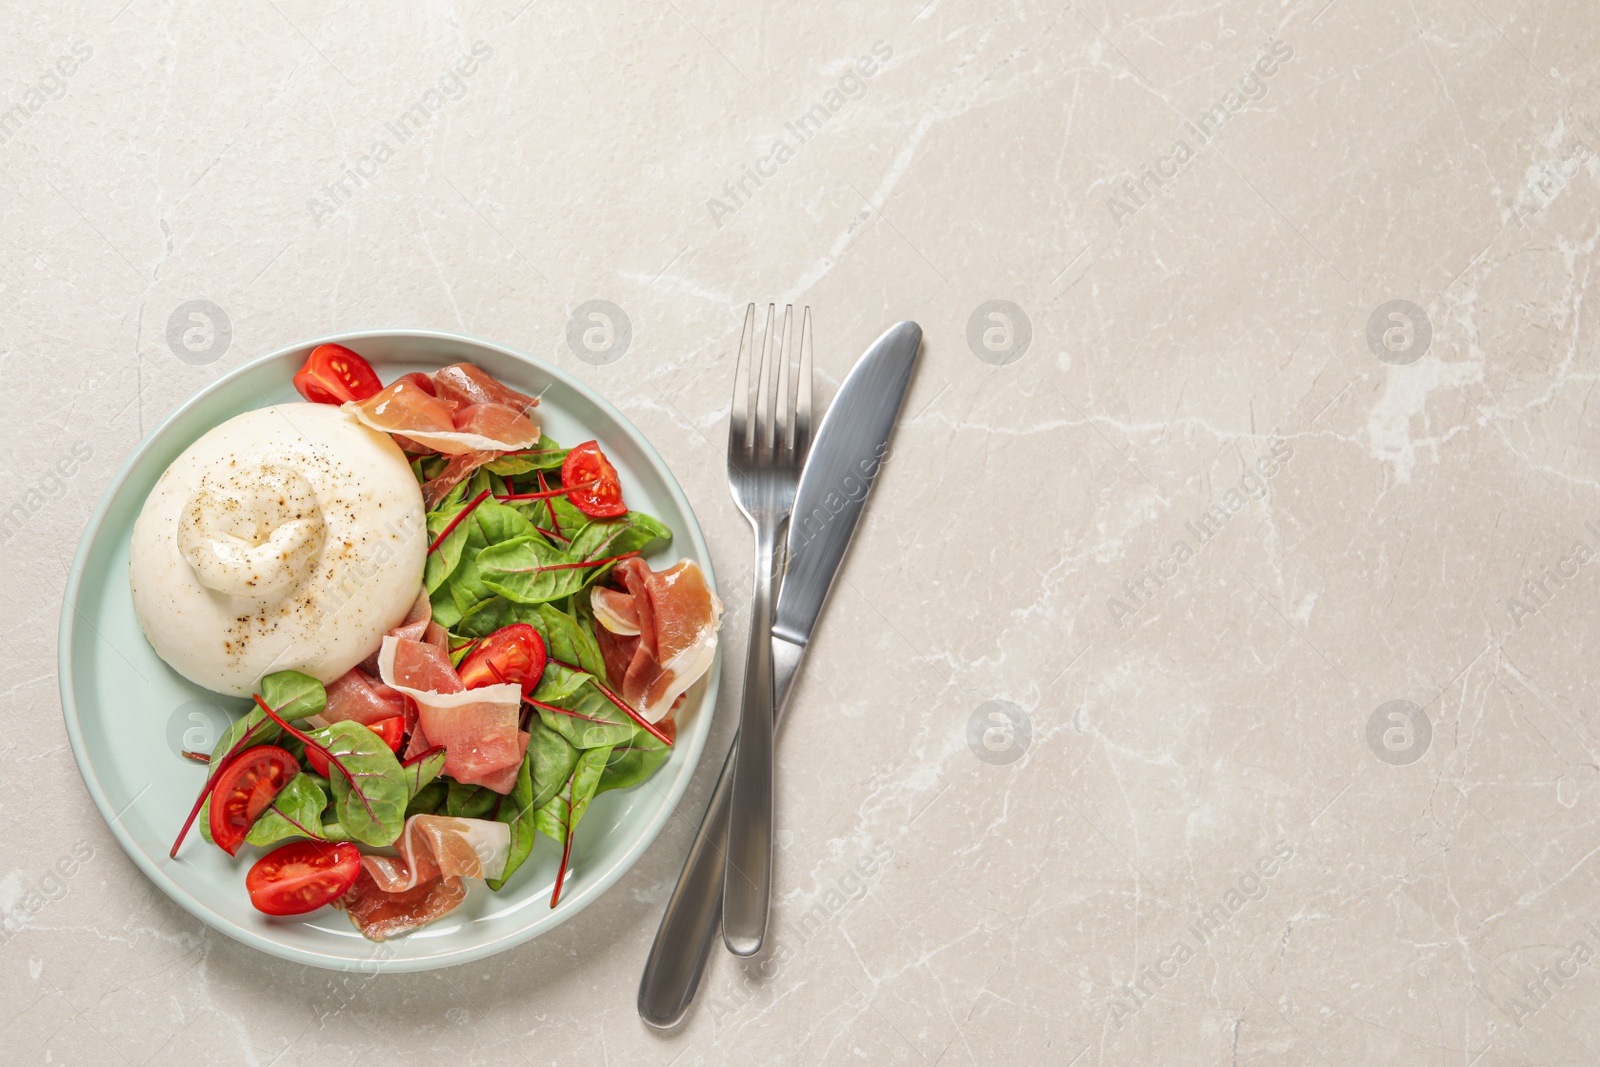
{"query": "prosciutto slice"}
(379, 915)
(477, 727)
(468, 384)
(418, 625)
(468, 411)
(458, 411)
(440, 846)
(458, 470)
(437, 854)
(673, 618)
(359, 697)
(615, 610)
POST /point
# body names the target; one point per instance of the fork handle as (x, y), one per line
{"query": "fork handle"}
(747, 888)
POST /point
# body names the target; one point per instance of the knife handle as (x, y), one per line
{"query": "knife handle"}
(678, 957)
(688, 926)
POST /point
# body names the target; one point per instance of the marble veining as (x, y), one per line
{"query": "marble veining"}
(1209, 682)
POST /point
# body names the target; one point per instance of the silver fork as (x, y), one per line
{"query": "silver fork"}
(769, 434)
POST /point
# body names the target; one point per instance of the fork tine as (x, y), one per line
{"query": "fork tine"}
(739, 413)
(802, 393)
(780, 370)
(764, 419)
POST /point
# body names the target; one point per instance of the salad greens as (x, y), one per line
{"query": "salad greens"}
(429, 799)
(544, 456)
(571, 642)
(370, 790)
(494, 559)
(632, 762)
(294, 812)
(420, 774)
(532, 569)
(530, 561)
(469, 801)
(559, 817)
(294, 695)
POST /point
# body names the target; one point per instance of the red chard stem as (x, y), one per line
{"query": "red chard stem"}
(420, 756)
(211, 780)
(566, 847)
(450, 527)
(324, 750)
(560, 490)
(605, 690)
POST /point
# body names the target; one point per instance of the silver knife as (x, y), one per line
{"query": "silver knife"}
(849, 450)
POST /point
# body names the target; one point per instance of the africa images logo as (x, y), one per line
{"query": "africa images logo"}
(1152, 579)
(51, 85)
(809, 123)
(1139, 190)
(1249, 887)
(1554, 575)
(413, 120)
(51, 485)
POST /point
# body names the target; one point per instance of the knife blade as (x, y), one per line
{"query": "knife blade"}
(851, 445)
(847, 453)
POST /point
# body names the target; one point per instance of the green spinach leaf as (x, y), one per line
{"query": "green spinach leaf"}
(295, 747)
(529, 570)
(203, 822)
(545, 769)
(444, 559)
(254, 728)
(550, 762)
(372, 808)
(588, 720)
(445, 612)
(556, 514)
(570, 641)
(490, 615)
(558, 683)
(633, 761)
(517, 813)
(429, 799)
(490, 524)
(295, 812)
(423, 772)
(602, 538)
(469, 801)
(544, 456)
(568, 519)
(293, 695)
(559, 816)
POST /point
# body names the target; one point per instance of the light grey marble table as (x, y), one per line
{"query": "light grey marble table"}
(1212, 681)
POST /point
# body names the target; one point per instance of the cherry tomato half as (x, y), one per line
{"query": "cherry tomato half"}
(302, 876)
(512, 653)
(584, 464)
(333, 375)
(243, 791)
(392, 730)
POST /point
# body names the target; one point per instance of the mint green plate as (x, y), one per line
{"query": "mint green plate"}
(128, 713)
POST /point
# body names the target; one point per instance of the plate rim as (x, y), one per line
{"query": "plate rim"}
(70, 620)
